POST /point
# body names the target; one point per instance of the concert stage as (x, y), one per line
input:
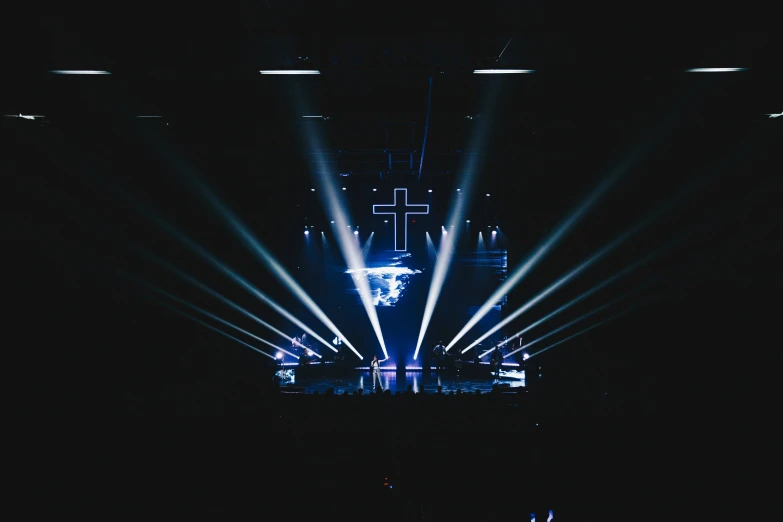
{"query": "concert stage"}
(468, 379)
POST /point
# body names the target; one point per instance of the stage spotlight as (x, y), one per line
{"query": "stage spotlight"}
(606, 249)
(487, 195)
(554, 239)
(457, 211)
(596, 325)
(292, 71)
(221, 332)
(385, 220)
(200, 310)
(80, 72)
(279, 356)
(356, 232)
(430, 190)
(307, 232)
(312, 190)
(494, 232)
(504, 71)
(344, 188)
(228, 272)
(211, 292)
(332, 222)
(467, 221)
(261, 253)
(716, 69)
(571, 323)
(375, 190)
(337, 206)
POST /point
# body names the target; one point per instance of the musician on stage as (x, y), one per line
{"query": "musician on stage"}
(497, 361)
(440, 354)
(375, 366)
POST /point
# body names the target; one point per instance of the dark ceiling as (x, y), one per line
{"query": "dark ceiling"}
(593, 93)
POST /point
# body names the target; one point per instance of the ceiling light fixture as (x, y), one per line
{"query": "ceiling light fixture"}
(716, 69)
(291, 71)
(504, 71)
(75, 71)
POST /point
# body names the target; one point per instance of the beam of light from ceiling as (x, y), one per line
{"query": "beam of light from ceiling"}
(466, 180)
(251, 242)
(582, 318)
(218, 330)
(597, 256)
(181, 301)
(565, 226)
(335, 205)
(367, 246)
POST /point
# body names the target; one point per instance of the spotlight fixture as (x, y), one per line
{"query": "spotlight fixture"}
(467, 221)
(430, 190)
(291, 71)
(312, 190)
(375, 190)
(307, 232)
(331, 222)
(716, 69)
(385, 220)
(487, 195)
(79, 72)
(356, 232)
(343, 188)
(504, 71)
(458, 190)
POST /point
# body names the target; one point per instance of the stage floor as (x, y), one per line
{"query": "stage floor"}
(396, 381)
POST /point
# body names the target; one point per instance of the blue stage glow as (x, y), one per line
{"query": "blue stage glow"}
(388, 281)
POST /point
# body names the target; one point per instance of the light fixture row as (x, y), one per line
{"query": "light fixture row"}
(376, 190)
(310, 72)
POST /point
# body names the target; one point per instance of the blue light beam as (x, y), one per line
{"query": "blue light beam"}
(206, 289)
(213, 316)
(596, 325)
(267, 259)
(218, 330)
(228, 272)
(577, 320)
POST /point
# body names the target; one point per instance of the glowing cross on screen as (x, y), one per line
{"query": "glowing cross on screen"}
(400, 209)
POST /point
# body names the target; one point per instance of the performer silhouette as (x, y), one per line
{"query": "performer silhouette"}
(375, 366)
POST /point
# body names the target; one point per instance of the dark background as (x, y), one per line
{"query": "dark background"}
(84, 343)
